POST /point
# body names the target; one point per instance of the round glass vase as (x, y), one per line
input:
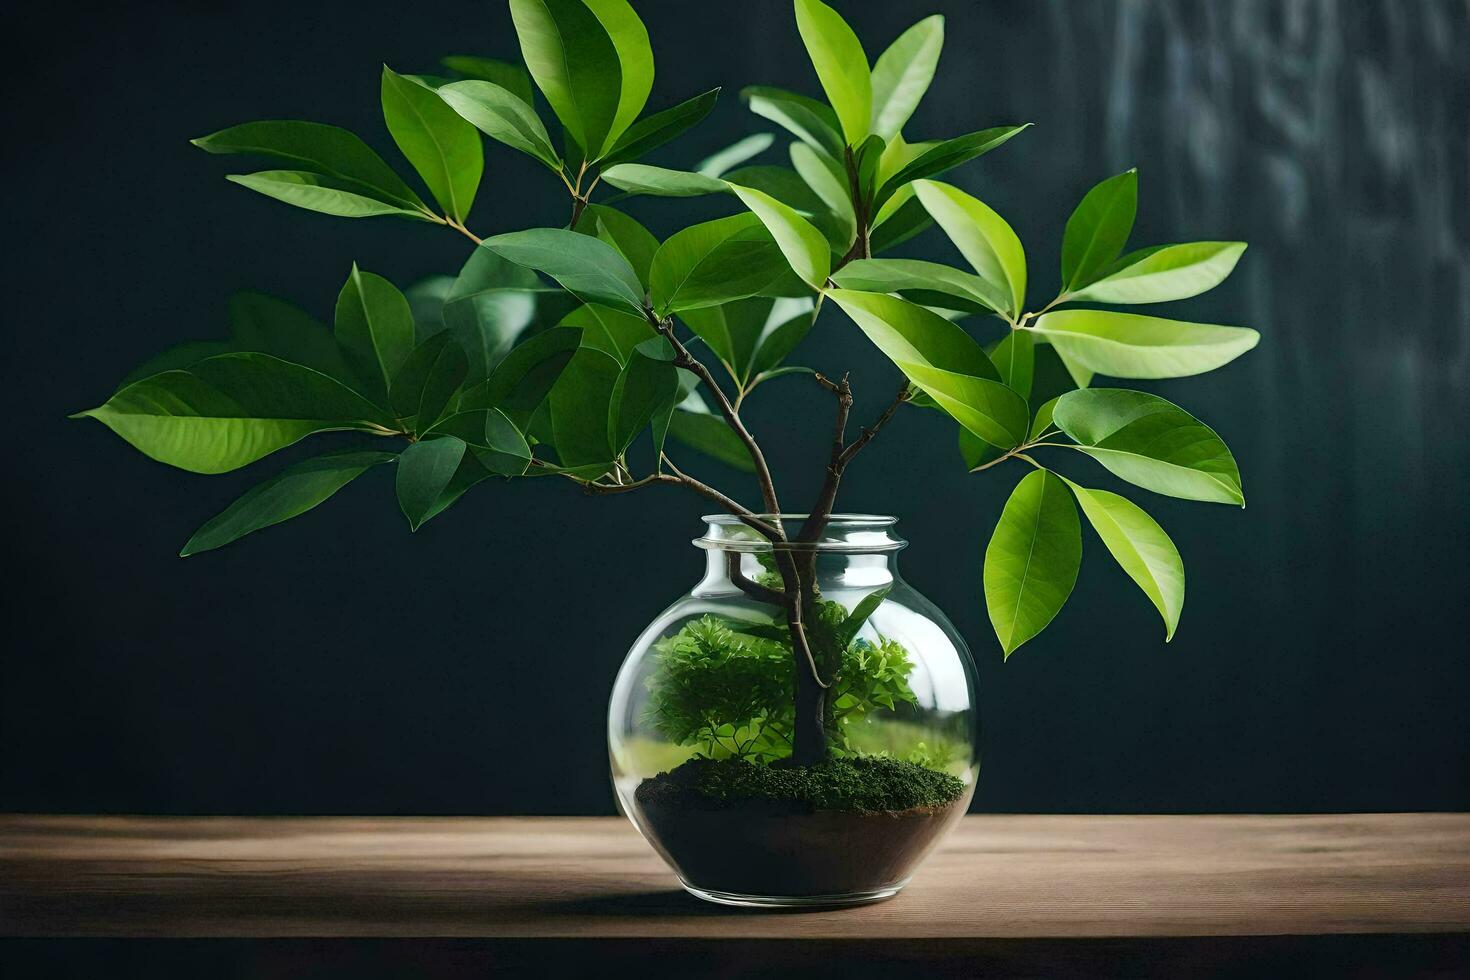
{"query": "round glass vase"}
(703, 717)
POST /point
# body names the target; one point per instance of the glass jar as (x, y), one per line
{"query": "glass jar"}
(703, 713)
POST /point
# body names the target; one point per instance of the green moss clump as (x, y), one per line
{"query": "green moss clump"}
(864, 783)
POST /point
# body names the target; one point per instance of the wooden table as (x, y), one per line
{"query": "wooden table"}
(1053, 895)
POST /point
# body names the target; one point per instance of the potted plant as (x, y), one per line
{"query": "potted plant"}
(799, 728)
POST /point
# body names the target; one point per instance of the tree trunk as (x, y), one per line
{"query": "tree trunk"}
(809, 740)
(809, 744)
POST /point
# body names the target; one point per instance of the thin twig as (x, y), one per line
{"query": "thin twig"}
(816, 521)
(684, 359)
(463, 230)
(749, 586)
(870, 431)
(771, 532)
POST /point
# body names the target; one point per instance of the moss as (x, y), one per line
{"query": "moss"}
(864, 784)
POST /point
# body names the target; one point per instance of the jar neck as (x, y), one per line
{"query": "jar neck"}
(727, 572)
(853, 552)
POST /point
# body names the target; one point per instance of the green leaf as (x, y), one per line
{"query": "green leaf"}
(651, 132)
(520, 383)
(1042, 421)
(633, 241)
(901, 218)
(1098, 229)
(807, 119)
(712, 263)
(469, 473)
(710, 435)
(580, 407)
(495, 441)
(899, 153)
(1163, 273)
(684, 396)
(512, 78)
(442, 147)
(788, 323)
(290, 493)
(326, 194)
(374, 325)
(635, 64)
(424, 471)
(611, 331)
(175, 358)
(504, 451)
(841, 64)
(427, 380)
(902, 75)
(265, 325)
(823, 179)
(640, 178)
(786, 186)
(866, 606)
(927, 283)
(943, 361)
(1140, 547)
(974, 450)
(491, 304)
(576, 65)
(645, 384)
(947, 155)
(729, 331)
(1151, 443)
(229, 410)
(782, 183)
(318, 149)
(987, 408)
(1014, 356)
(426, 302)
(751, 335)
(502, 116)
(272, 326)
(982, 236)
(910, 334)
(782, 372)
(805, 247)
(1032, 560)
(585, 266)
(867, 158)
(721, 163)
(1127, 345)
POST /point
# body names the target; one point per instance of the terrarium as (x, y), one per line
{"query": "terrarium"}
(703, 727)
(800, 727)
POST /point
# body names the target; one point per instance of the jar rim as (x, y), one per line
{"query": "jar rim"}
(844, 533)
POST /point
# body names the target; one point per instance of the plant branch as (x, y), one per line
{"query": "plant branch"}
(463, 230)
(871, 431)
(749, 586)
(1019, 452)
(684, 359)
(816, 520)
(862, 247)
(771, 532)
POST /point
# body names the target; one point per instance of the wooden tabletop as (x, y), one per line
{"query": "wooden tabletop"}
(1004, 877)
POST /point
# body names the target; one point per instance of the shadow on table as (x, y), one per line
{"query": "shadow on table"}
(664, 902)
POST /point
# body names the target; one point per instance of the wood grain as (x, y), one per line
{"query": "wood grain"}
(997, 877)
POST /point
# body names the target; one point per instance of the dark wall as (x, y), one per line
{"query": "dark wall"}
(339, 664)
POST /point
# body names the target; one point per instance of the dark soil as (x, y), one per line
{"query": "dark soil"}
(843, 827)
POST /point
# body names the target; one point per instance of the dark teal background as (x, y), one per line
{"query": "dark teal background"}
(338, 664)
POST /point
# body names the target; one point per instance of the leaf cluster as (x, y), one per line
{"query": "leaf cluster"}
(570, 351)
